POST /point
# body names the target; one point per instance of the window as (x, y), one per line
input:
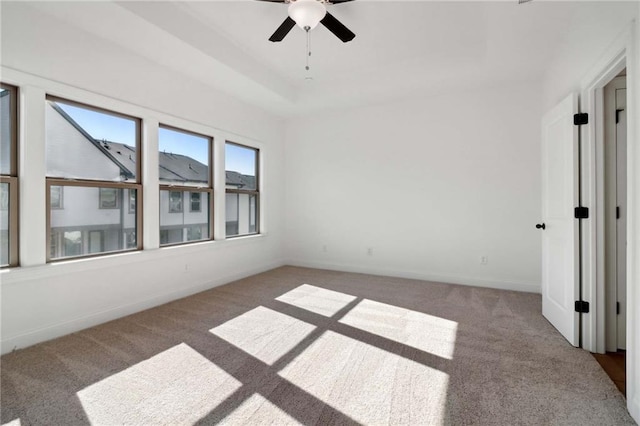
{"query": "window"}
(185, 160)
(175, 202)
(93, 159)
(132, 203)
(54, 244)
(242, 188)
(195, 202)
(4, 197)
(8, 175)
(194, 233)
(56, 197)
(109, 198)
(131, 240)
(96, 241)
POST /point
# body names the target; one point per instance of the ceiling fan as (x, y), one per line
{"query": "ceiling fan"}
(307, 14)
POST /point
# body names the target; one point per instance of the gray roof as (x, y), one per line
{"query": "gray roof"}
(180, 168)
(173, 167)
(240, 181)
(124, 155)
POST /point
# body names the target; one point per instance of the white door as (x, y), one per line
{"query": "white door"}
(560, 189)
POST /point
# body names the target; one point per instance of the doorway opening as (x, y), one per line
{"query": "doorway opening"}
(614, 184)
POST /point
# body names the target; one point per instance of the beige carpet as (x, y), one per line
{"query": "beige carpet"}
(298, 345)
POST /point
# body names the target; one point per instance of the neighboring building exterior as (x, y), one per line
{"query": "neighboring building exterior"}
(86, 220)
(240, 209)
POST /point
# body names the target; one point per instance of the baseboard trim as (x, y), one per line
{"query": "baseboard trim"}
(425, 276)
(44, 334)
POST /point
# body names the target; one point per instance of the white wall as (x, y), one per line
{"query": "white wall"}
(430, 185)
(40, 301)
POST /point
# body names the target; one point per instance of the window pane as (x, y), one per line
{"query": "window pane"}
(183, 158)
(83, 143)
(4, 224)
(6, 124)
(179, 226)
(83, 227)
(241, 214)
(241, 165)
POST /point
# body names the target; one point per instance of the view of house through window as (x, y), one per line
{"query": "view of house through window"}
(242, 196)
(92, 179)
(8, 176)
(185, 186)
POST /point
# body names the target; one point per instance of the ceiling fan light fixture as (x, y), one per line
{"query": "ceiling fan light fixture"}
(307, 13)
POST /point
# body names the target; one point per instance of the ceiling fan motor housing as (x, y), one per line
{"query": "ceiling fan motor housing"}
(307, 13)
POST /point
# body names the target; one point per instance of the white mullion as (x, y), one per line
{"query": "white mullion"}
(32, 171)
(150, 184)
(219, 189)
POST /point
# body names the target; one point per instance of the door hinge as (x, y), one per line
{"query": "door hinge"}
(618, 111)
(581, 212)
(618, 212)
(582, 306)
(580, 118)
(617, 308)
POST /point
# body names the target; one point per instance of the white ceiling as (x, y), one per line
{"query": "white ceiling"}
(402, 48)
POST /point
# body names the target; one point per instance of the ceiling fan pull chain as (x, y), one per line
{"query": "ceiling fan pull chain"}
(308, 46)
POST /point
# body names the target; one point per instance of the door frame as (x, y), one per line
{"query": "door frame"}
(592, 138)
(610, 236)
(623, 52)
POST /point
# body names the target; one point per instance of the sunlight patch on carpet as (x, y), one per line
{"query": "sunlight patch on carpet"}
(15, 422)
(264, 333)
(428, 333)
(369, 384)
(316, 299)
(175, 386)
(257, 410)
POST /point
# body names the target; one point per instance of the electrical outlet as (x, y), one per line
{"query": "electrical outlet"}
(484, 260)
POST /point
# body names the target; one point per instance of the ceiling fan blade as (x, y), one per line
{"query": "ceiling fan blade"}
(274, 1)
(337, 28)
(283, 30)
(331, 1)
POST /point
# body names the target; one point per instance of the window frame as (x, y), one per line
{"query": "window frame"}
(96, 183)
(12, 179)
(255, 191)
(188, 188)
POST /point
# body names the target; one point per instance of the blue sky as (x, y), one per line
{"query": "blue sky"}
(191, 145)
(123, 130)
